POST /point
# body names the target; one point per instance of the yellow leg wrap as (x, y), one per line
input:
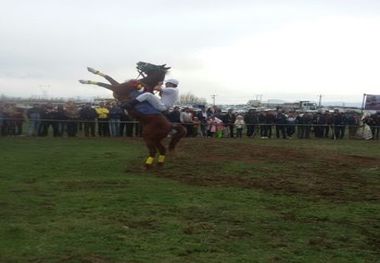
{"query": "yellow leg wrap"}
(161, 158)
(149, 160)
(92, 82)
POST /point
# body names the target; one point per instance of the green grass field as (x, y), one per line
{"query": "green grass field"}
(88, 200)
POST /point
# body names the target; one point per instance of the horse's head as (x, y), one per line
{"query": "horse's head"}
(152, 74)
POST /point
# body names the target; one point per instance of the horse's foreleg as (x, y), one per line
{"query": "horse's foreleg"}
(101, 84)
(97, 72)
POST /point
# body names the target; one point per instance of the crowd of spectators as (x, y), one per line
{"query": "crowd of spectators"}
(69, 119)
(266, 124)
(110, 120)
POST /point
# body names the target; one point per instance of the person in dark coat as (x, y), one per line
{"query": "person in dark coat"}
(88, 116)
(115, 117)
(228, 121)
(175, 115)
(281, 122)
(339, 124)
(251, 120)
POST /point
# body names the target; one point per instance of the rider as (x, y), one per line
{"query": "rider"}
(169, 96)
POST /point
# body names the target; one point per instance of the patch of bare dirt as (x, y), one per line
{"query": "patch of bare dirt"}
(312, 173)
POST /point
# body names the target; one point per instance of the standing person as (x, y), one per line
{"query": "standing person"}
(352, 123)
(196, 127)
(169, 96)
(88, 117)
(103, 114)
(2, 118)
(308, 122)
(72, 116)
(317, 125)
(33, 115)
(47, 114)
(329, 124)
(263, 128)
(175, 115)
(186, 119)
(202, 117)
(339, 125)
(239, 125)
(5, 119)
(251, 120)
(269, 120)
(115, 115)
(11, 122)
(377, 123)
(59, 121)
(19, 121)
(229, 120)
(322, 122)
(373, 122)
(300, 126)
(219, 123)
(214, 124)
(291, 124)
(281, 122)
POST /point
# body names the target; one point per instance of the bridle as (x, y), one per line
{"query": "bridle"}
(144, 68)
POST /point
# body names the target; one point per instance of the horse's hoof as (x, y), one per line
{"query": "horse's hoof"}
(93, 70)
(84, 81)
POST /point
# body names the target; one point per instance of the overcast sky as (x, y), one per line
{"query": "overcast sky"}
(237, 49)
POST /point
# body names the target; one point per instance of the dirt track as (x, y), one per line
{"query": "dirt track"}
(312, 174)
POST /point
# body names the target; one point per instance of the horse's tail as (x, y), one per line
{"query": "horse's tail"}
(176, 137)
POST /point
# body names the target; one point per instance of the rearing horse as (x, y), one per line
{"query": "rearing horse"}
(156, 126)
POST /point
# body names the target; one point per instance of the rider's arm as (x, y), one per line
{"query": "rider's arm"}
(168, 90)
(158, 87)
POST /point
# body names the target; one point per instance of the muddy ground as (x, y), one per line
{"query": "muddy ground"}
(312, 173)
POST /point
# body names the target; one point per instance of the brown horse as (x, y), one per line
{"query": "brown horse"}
(156, 126)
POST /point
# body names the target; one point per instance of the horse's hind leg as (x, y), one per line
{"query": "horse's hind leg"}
(176, 137)
(162, 153)
(152, 154)
(97, 72)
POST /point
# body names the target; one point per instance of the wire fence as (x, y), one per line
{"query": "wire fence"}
(132, 128)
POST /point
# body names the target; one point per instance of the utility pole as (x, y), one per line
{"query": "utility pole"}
(213, 98)
(320, 101)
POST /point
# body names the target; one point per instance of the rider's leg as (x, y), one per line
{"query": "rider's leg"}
(97, 72)
(153, 100)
